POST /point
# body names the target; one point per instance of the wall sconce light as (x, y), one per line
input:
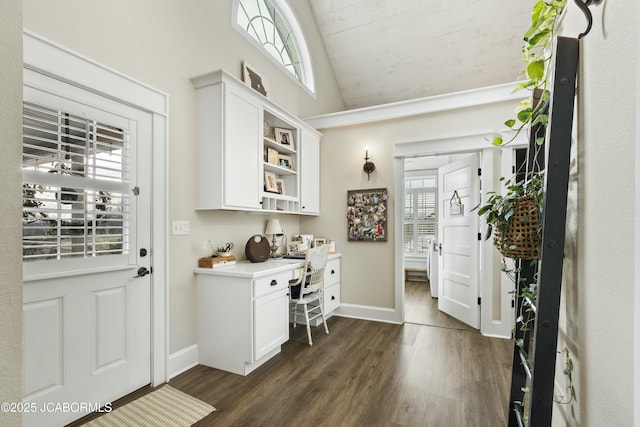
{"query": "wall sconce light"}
(368, 166)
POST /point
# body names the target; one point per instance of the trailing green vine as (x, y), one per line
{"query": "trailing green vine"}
(537, 53)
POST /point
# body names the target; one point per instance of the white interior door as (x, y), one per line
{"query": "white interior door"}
(86, 161)
(458, 261)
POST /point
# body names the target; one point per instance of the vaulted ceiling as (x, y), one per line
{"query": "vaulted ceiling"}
(384, 51)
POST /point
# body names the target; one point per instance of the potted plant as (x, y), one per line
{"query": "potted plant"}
(515, 217)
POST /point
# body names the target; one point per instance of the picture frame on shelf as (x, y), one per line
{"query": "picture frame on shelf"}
(285, 161)
(285, 137)
(267, 130)
(281, 186)
(273, 156)
(270, 182)
(254, 79)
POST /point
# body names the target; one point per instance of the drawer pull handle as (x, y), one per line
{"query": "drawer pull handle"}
(274, 282)
(332, 297)
(333, 272)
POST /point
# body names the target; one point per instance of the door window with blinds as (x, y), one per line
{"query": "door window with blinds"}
(420, 215)
(76, 202)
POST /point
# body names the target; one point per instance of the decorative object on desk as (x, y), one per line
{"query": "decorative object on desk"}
(332, 246)
(285, 137)
(254, 79)
(216, 262)
(275, 229)
(368, 167)
(225, 250)
(367, 215)
(319, 241)
(307, 241)
(282, 189)
(293, 247)
(257, 248)
(270, 182)
(455, 205)
(285, 161)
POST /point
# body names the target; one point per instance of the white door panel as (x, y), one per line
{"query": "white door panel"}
(458, 263)
(87, 331)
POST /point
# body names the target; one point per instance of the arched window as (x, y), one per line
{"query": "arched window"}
(272, 25)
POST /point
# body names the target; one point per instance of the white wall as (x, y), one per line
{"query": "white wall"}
(604, 314)
(10, 209)
(164, 44)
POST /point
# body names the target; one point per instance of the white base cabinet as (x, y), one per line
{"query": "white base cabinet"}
(238, 327)
(243, 311)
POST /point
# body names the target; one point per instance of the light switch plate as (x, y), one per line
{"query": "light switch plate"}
(180, 227)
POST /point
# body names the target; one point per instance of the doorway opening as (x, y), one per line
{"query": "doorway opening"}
(423, 237)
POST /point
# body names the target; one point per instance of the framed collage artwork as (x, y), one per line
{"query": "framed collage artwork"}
(367, 215)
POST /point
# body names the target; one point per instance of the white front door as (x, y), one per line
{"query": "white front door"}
(458, 263)
(86, 222)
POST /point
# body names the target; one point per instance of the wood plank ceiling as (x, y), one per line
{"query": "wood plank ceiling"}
(384, 51)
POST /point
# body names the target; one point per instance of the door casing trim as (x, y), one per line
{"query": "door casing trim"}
(46, 57)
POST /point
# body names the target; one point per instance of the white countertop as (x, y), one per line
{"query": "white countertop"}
(256, 269)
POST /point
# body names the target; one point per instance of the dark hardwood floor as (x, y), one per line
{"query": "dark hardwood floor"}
(364, 374)
(422, 309)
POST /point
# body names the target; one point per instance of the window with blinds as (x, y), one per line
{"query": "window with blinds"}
(75, 190)
(420, 215)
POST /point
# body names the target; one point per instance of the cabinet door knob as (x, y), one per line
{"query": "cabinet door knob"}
(333, 272)
(274, 282)
(332, 297)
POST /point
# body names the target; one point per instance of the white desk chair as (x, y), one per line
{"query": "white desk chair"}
(306, 291)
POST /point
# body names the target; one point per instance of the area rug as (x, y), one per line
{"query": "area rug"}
(161, 408)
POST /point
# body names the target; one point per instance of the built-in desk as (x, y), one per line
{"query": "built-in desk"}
(243, 310)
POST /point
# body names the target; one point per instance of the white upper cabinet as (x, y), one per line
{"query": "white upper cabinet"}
(310, 172)
(251, 154)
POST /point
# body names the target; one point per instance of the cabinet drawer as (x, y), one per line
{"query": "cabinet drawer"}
(271, 283)
(331, 298)
(332, 272)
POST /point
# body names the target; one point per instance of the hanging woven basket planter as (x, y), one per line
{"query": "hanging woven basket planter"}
(521, 239)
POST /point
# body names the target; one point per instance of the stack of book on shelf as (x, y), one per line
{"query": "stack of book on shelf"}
(216, 261)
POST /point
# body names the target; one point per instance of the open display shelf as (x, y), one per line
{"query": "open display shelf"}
(252, 154)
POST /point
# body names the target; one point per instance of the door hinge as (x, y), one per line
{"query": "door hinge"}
(479, 300)
(479, 171)
(479, 236)
(513, 303)
(513, 168)
(136, 190)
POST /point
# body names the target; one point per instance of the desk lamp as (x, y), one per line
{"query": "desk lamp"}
(274, 228)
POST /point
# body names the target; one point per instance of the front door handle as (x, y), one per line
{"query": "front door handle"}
(142, 271)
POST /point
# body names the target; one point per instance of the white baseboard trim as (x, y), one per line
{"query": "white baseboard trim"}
(183, 360)
(365, 312)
